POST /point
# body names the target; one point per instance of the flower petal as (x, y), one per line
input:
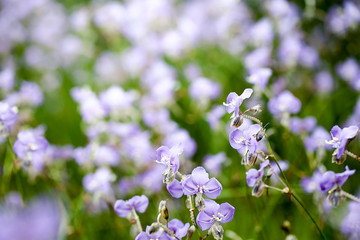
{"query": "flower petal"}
(227, 211)
(122, 208)
(213, 188)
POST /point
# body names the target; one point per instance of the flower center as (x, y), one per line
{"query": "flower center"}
(218, 218)
(201, 188)
(242, 139)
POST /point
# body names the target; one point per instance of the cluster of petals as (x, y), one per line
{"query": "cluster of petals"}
(138, 203)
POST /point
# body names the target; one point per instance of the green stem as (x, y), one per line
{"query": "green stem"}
(293, 193)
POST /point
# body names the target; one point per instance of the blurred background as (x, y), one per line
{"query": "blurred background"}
(108, 82)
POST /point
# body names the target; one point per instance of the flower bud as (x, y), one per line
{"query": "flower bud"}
(260, 134)
(169, 176)
(154, 228)
(217, 231)
(336, 197)
(256, 109)
(340, 160)
(190, 231)
(258, 189)
(249, 158)
(163, 211)
(199, 202)
(237, 121)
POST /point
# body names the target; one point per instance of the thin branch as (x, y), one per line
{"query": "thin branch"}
(352, 155)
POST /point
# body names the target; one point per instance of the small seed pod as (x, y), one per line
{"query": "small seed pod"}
(258, 189)
(269, 171)
(163, 211)
(169, 176)
(154, 228)
(190, 231)
(340, 160)
(260, 134)
(249, 158)
(256, 109)
(217, 231)
(199, 202)
(237, 121)
(336, 197)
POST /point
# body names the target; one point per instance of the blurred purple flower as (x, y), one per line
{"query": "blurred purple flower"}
(99, 182)
(259, 77)
(214, 116)
(40, 220)
(330, 179)
(298, 125)
(317, 140)
(106, 155)
(203, 89)
(350, 225)
(324, 82)
(212, 163)
(199, 182)
(285, 102)
(213, 213)
(138, 203)
(312, 184)
(8, 115)
(340, 138)
(31, 146)
(181, 136)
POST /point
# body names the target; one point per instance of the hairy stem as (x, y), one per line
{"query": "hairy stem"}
(253, 119)
(352, 155)
(172, 233)
(352, 197)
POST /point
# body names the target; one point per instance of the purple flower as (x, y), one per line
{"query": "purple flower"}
(159, 235)
(330, 179)
(253, 175)
(213, 213)
(233, 101)
(285, 102)
(214, 116)
(341, 137)
(8, 114)
(169, 156)
(106, 155)
(138, 203)
(203, 89)
(31, 147)
(175, 188)
(199, 182)
(245, 140)
(178, 227)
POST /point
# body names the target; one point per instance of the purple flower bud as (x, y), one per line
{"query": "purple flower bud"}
(199, 182)
(178, 227)
(213, 213)
(138, 203)
(233, 101)
(341, 137)
(330, 179)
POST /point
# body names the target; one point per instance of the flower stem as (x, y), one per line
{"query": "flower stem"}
(352, 197)
(274, 188)
(137, 220)
(253, 119)
(353, 155)
(291, 191)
